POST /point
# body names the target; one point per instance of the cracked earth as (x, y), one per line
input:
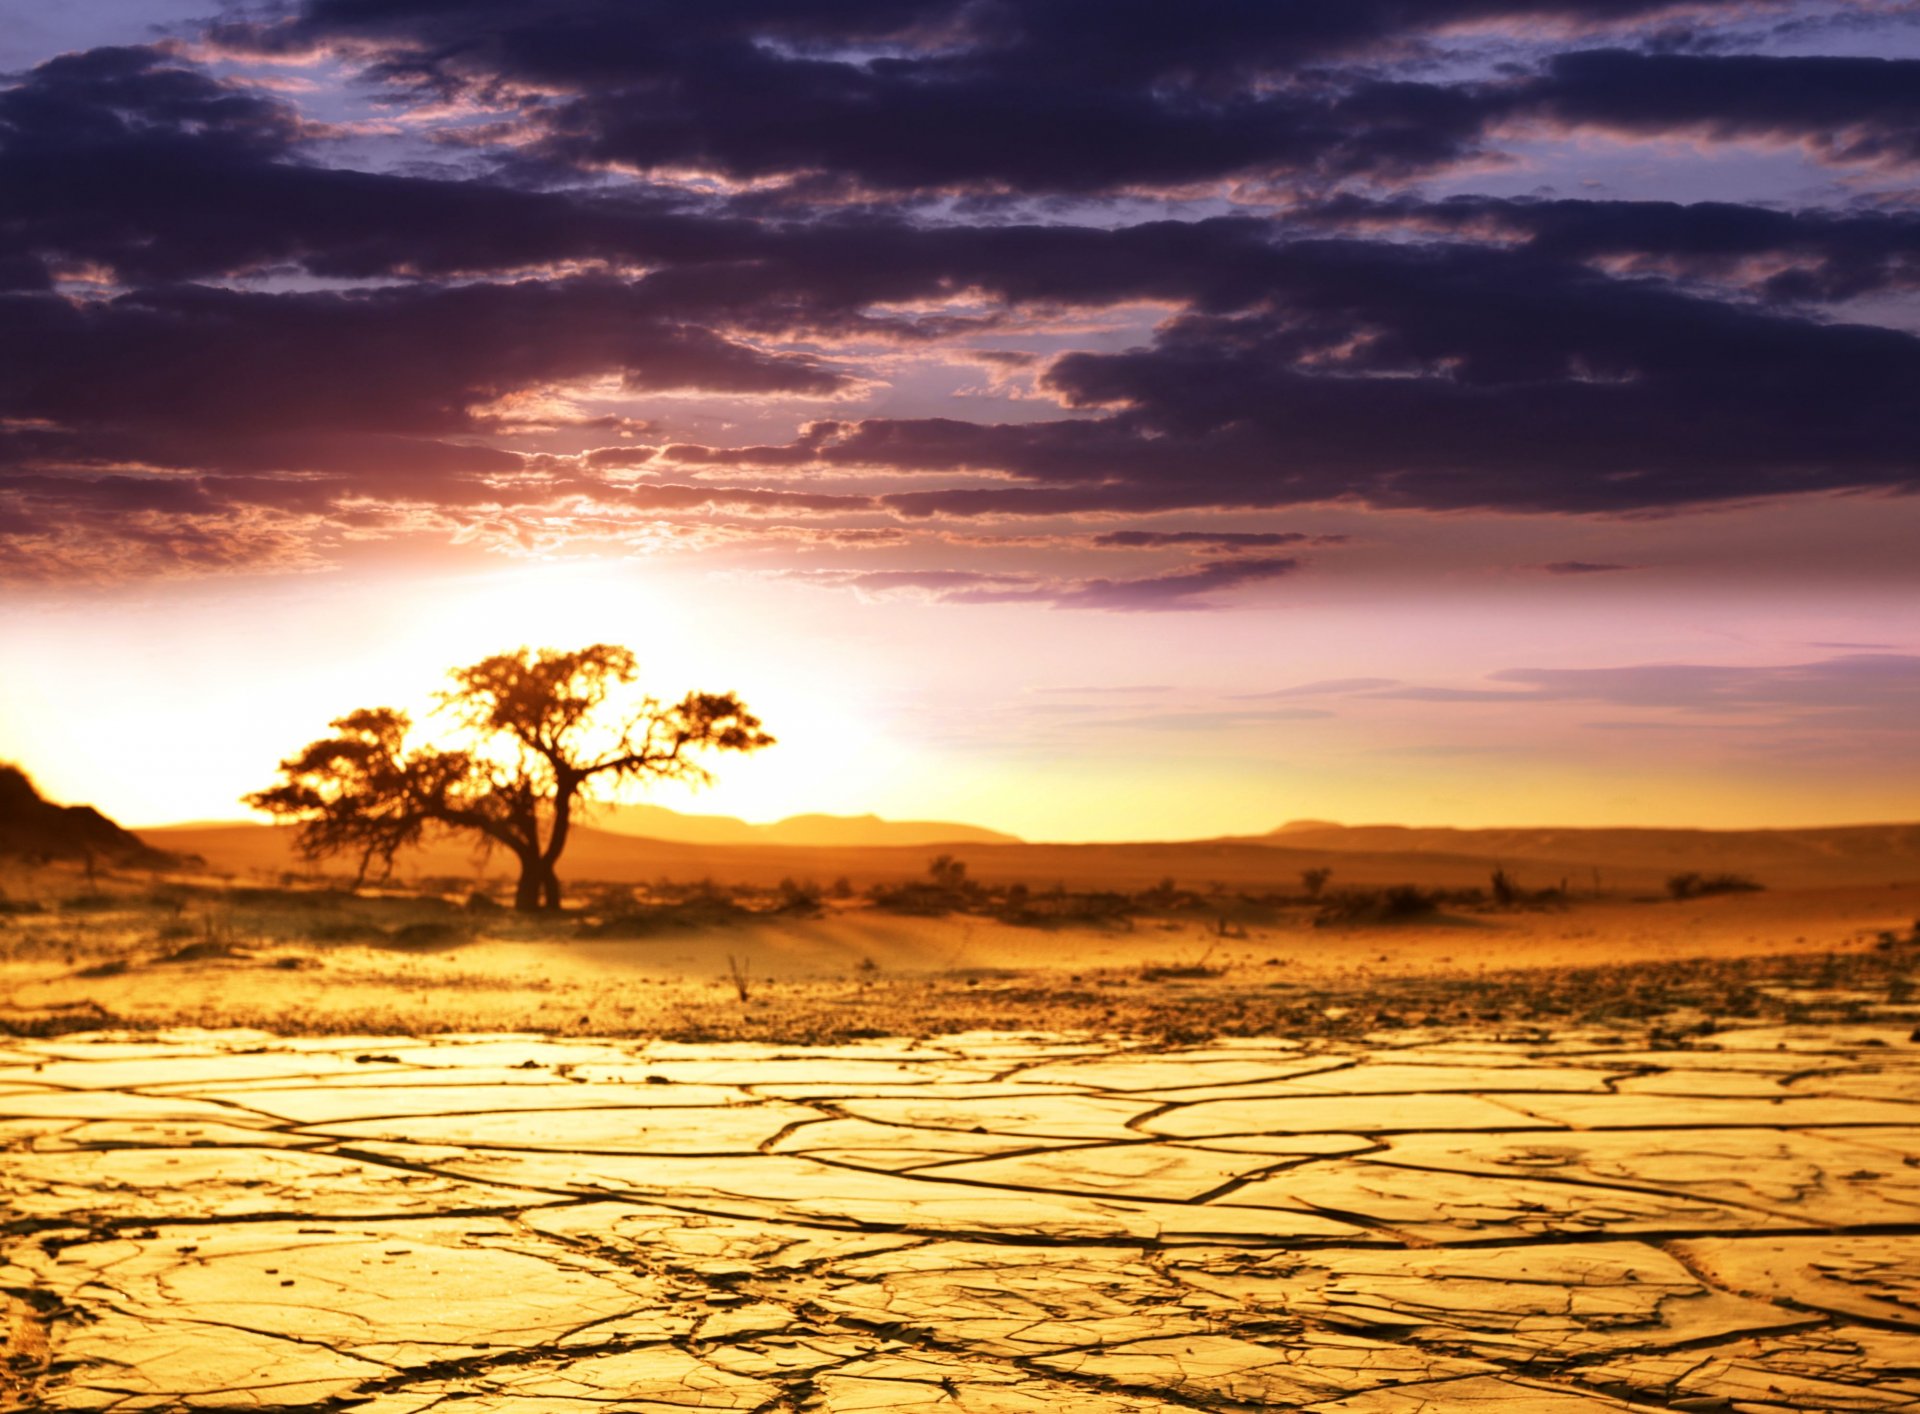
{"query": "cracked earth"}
(1436, 1220)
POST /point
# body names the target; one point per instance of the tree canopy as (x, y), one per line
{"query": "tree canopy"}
(534, 734)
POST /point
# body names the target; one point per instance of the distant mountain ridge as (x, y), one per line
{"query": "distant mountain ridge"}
(656, 822)
(1614, 860)
(34, 827)
(1890, 850)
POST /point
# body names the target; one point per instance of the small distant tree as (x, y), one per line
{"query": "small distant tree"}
(535, 734)
(1314, 881)
(948, 873)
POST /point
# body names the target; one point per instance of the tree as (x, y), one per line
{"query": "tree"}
(536, 734)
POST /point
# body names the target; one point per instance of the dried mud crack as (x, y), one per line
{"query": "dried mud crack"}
(1424, 1218)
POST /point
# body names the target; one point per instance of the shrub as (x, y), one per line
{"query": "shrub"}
(947, 872)
(1405, 901)
(1397, 904)
(1693, 885)
(799, 897)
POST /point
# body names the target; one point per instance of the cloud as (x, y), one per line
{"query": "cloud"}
(1324, 687)
(1106, 691)
(1878, 691)
(231, 313)
(1192, 588)
(1845, 109)
(1436, 377)
(1201, 721)
(201, 378)
(1062, 96)
(1177, 590)
(1059, 95)
(1580, 567)
(892, 581)
(1806, 255)
(1231, 542)
(1883, 685)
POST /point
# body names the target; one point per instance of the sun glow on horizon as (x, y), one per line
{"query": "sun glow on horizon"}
(275, 670)
(1052, 726)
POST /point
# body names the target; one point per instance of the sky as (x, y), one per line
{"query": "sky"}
(1112, 420)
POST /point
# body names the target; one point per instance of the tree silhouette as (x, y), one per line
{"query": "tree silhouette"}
(536, 734)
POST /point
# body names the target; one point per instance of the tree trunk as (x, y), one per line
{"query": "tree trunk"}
(556, 841)
(527, 893)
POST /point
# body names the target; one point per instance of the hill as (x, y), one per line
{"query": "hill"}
(1829, 856)
(656, 822)
(1627, 861)
(33, 827)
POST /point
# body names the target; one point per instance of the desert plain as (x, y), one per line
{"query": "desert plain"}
(1077, 1128)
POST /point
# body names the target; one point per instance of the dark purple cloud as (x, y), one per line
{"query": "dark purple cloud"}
(1230, 541)
(1848, 109)
(1184, 589)
(1050, 96)
(1043, 96)
(1790, 255)
(228, 312)
(1445, 377)
(1191, 588)
(195, 377)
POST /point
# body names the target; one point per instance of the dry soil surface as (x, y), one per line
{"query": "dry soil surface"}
(1431, 1218)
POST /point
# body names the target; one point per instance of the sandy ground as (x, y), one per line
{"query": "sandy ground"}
(304, 962)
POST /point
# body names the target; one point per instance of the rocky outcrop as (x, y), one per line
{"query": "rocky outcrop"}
(33, 827)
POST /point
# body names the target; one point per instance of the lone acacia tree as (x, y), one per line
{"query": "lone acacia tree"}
(537, 733)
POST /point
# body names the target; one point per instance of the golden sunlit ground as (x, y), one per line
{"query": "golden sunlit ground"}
(280, 1146)
(153, 954)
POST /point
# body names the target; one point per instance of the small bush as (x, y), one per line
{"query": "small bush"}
(1405, 901)
(802, 898)
(1686, 886)
(947, 889)
(1397, 904)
